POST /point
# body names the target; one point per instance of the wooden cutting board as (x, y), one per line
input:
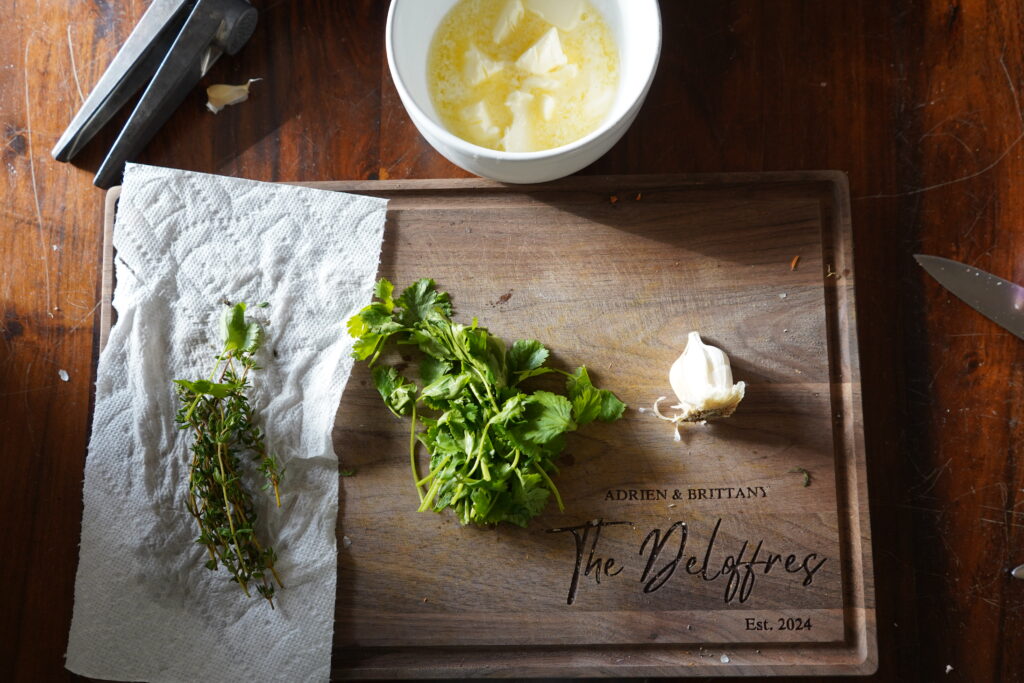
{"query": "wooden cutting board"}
(712, 555)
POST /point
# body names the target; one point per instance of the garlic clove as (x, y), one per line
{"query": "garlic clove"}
(702, 381)
(221, 95)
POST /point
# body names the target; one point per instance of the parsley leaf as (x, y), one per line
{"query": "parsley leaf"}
(578, 382)
(548, 415)
(421, 301)
(383, 291)
(586, 405)
(377, 318)
(611, 407)
(526, 355)
(590, 403)
(398, 394)
(431, 368)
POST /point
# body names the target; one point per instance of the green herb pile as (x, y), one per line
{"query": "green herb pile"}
(218, 412)
(492, 444)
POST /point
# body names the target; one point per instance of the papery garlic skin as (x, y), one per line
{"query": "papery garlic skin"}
(702, 380)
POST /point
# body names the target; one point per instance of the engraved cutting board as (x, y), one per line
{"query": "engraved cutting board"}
(706, 556)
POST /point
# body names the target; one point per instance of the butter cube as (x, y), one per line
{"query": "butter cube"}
(554, 80)
(477, 116)
(519, 136)
(547, 106)
(543, 56)
(565, 14)
(478, 67)
(507, 21)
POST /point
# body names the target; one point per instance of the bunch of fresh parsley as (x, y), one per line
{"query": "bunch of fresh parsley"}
(492, 444)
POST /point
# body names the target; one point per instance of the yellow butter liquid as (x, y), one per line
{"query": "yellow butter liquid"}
(488, 91)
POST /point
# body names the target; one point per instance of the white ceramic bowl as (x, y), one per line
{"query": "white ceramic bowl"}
(636, 26)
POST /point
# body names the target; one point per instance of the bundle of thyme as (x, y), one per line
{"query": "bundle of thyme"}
(218, 412)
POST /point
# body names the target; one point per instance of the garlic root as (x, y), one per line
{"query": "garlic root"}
(702, 381)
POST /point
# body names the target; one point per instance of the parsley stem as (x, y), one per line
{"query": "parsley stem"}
(433, 472)
(483, 380)
(476, 393)
(551, 486)
(476, 463)
(412, 453)
(377, 348)
(431, 494)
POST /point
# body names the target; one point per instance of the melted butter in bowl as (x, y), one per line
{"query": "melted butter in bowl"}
(522, 75)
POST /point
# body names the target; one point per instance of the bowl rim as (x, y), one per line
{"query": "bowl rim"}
(420, 118)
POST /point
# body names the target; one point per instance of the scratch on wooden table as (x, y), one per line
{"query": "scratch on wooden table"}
(949, 135)
(940, 124)
(1010, 511)
(75, 304)
(938, 371)
(1004, 490)
(932, 479)
(997, 418)
(986, 169)
(928, 103)
(81, 321)
(974, 491)
(35, 185)
(978, 215)
(979, 334)
(13, 135)
(929, 188)
(1013, 89)
(1002, 523)
(74, 68)
(950, 551)
(977, 587)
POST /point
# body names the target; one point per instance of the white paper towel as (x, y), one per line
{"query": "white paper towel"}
(145, 607)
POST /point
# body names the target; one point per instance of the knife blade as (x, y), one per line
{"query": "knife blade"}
(999, 300)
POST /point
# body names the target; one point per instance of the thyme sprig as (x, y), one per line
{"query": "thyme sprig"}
(218, 412)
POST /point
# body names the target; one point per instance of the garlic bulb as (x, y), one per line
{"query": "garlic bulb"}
(702, 380)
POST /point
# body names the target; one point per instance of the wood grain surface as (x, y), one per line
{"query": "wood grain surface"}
(628, 265)
(618, 286)
(919, 102)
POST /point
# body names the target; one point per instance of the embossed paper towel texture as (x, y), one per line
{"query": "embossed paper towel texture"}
(145, 608)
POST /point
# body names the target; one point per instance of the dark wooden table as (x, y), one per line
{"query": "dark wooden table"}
(919, 102)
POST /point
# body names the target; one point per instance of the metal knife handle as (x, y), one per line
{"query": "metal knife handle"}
(133, 65)
(213, 26)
